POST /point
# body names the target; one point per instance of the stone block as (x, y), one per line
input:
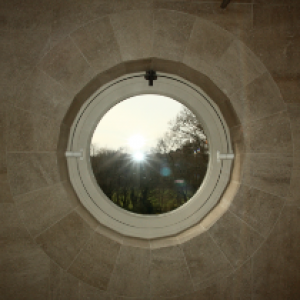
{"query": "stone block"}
(257, 100)
(64, 240)
(31, 171)
(43, 95)
(270, 173)
(258, 209)
(134, 33)
(131, 273)
(171, 34)
(41, 209)
(98, 44)
(169, 275)
(28, 131)
(95, 263)
(206, 262)
(66, 64)
(237, 240)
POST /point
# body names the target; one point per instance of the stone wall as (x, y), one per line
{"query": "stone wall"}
(247, 57)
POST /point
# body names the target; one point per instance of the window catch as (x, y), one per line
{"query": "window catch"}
(150, 76)
(75, 154)
(223, 156)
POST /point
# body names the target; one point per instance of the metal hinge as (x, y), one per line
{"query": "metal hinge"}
(227, 156)
(75, 154)
(150, 76)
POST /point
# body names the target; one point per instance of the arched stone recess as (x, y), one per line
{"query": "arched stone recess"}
(222, 245)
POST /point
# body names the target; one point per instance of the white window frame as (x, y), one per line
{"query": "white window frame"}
(149, 226)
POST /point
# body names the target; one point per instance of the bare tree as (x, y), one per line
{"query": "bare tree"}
(185, 130)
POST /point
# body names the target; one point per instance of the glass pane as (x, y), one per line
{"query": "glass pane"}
(149, 154)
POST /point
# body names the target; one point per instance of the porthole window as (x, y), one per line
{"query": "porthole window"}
(149, 184)
(149, 154)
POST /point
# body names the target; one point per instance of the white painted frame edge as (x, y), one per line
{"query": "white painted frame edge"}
(143, 226)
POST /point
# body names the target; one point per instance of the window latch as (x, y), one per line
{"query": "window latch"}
(150, 76)
(75, 154)
(223, 156)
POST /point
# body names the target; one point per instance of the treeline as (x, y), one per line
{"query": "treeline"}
(160, 183)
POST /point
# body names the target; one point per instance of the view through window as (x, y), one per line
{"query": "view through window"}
(149, 154)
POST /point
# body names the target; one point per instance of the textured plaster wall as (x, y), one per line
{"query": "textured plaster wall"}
(50, 248)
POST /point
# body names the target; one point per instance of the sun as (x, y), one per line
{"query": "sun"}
(138, 156)
(136, 141)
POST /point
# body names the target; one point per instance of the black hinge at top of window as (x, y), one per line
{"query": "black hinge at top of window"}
(150, 76)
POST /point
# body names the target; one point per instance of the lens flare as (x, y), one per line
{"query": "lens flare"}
(165, 171)
(138, 156)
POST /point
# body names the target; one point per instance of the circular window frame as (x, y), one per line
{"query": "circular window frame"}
(99, 205)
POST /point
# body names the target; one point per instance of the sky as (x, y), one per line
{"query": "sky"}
(136, 123)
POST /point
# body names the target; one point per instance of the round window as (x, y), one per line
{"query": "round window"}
(156, 182)
(149, 154)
